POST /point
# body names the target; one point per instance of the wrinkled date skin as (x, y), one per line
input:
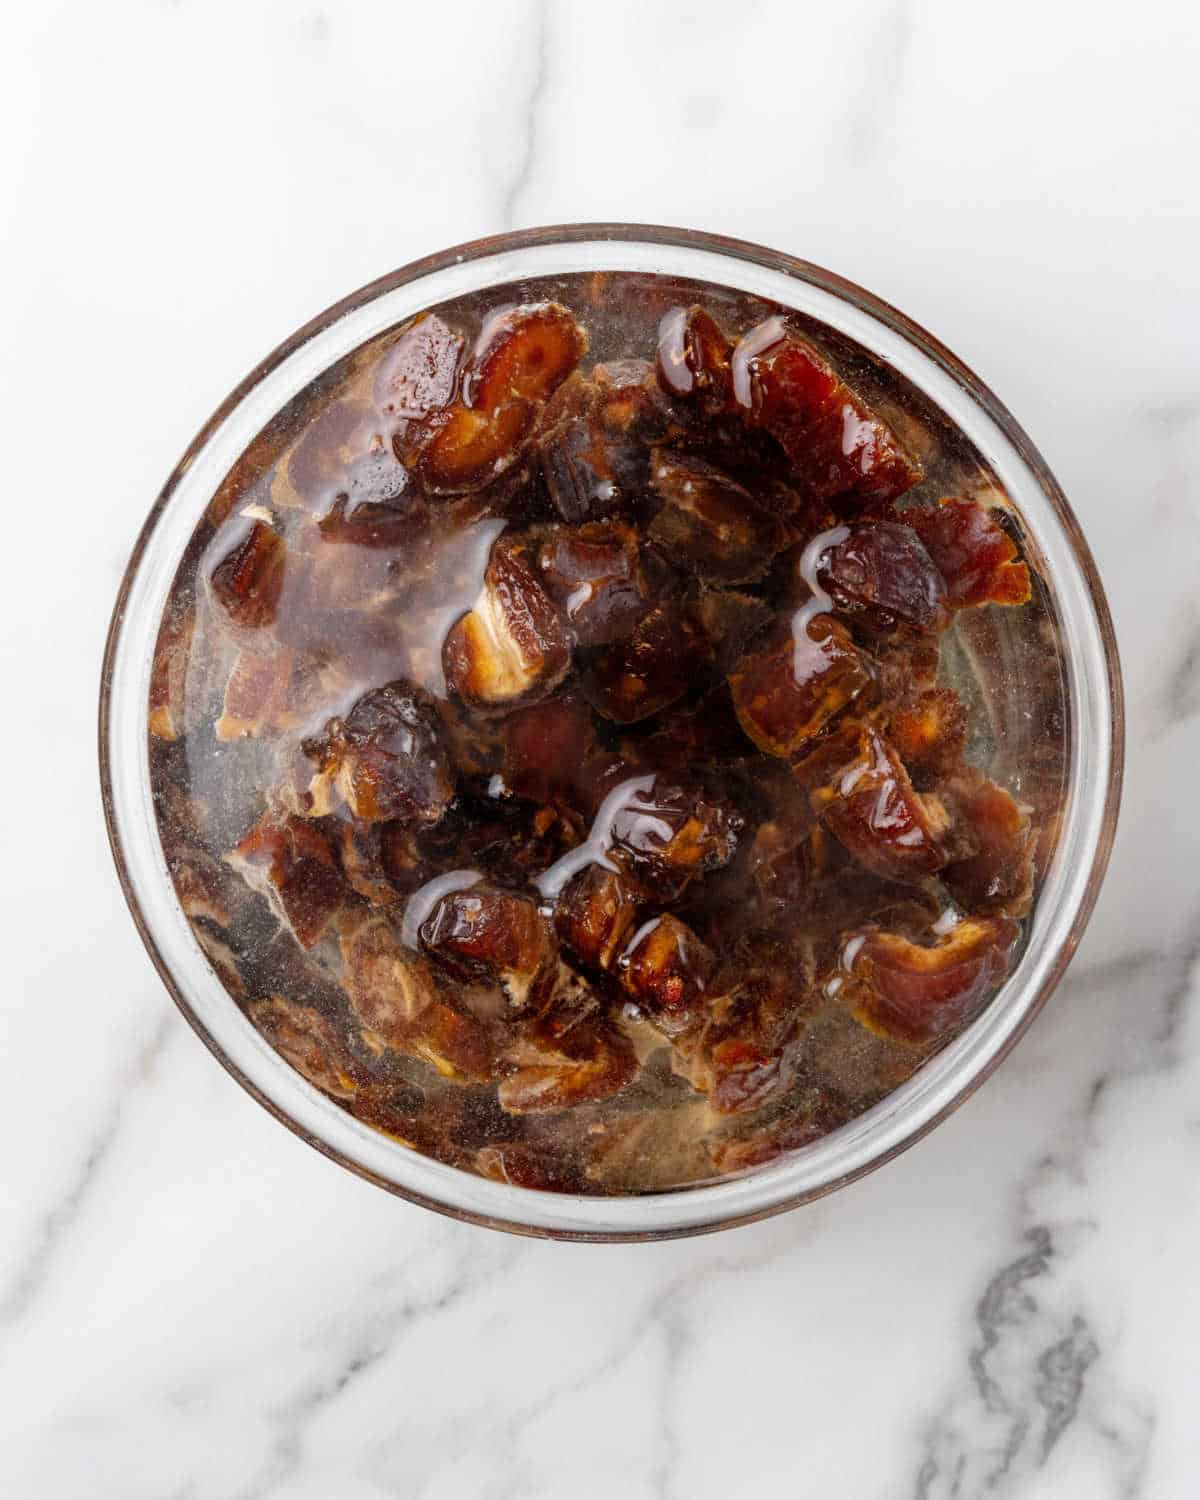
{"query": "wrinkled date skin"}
(384, 760)
(553, 744)
(881, 573)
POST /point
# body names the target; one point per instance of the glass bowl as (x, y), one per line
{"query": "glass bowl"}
(1092, 728)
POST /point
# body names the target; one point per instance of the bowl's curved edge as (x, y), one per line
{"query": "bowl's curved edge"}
(789, 265)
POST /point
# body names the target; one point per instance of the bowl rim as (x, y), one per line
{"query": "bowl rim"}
(1111, 702)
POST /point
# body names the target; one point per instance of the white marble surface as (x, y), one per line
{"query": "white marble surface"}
(195, 1305)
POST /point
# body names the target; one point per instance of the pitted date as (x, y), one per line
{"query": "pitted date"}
(512, 646)
(972, 552)
(521, 356)
(248, 580)
(693, 359)
(673, 834)
(880, 573)
(557, 1062)
(917, 992)
(654, 667)
(710, 521)
(666, 966)
(595, 915)
(311, 1042)
(788, 688)
(871, 807)
(594, 574)
(384, 760)
(497, 933)
(292, 863)
(398, 998)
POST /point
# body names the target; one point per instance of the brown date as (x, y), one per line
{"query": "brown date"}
(780, 382)
(498, 934)
(248, 580)
(881, 574)
(784, 863)
(787, 689)
(293, 865)
(595, 915)
(929, 733)
(666, 966)
(511, 646)
(520, 358)
(852, 459)
(839, 449)
(673, 834)
(559, 1061)
(394, 992)
(871, 808)
(256, 694)
(419, 373)
(710, 521)
(310, 1042)
(999, 876)
(545, 748)
(384, 760)
(652, 668)
(741, 1047)
(975, 555)
(693, 358)
(630, 402)
(593, 573)
(916, 993)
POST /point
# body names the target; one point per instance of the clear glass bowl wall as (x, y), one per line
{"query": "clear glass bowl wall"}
(1042, 683)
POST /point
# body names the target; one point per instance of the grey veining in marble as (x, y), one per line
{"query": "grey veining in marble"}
(530, 119)
(192, 1303)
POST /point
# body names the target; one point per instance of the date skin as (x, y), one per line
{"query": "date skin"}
(384, 760)
(777, 382)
